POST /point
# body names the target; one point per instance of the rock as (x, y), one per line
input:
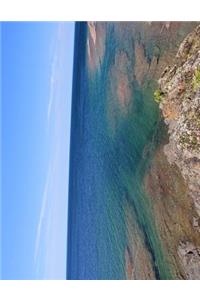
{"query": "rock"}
(196, 222)
(190, 257)
(181, 110)
(180, 106)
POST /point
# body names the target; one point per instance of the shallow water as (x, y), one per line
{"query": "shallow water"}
(111, 146)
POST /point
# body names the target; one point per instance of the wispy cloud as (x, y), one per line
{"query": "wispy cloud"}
(41, 217)
(56, 66)
(53, 78)
(52, 221)
(52, 85)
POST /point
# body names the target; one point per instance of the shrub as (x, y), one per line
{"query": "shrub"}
(196, 79)
(158, 95)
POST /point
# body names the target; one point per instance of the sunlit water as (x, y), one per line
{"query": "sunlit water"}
(107, 170)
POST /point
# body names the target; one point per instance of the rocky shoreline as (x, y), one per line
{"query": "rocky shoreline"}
(179, 98)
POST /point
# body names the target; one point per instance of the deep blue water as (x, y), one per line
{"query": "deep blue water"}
(94, 252)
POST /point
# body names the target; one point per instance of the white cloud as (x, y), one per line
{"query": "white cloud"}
(52, 222)
(41, 217)
(56, 67)
(52, 85)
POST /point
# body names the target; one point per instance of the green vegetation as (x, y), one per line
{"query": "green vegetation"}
(184, 139)
(189, 140)
(196, 79)
(158, 95)
(194, 140)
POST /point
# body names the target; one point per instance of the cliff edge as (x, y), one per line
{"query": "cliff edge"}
(179, 100)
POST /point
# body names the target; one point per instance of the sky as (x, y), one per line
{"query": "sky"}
(37, 62)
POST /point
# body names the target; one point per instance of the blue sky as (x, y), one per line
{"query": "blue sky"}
(37, 61)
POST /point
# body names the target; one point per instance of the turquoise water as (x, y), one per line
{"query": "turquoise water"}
(106, 169)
